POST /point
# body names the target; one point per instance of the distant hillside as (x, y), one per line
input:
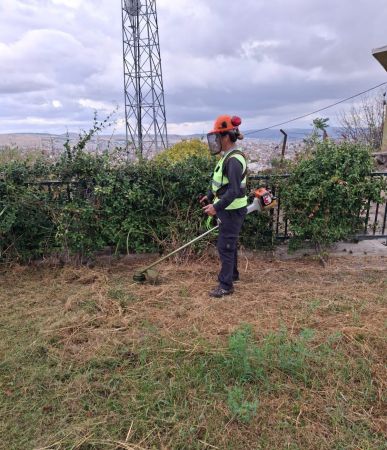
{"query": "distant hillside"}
(51, 143)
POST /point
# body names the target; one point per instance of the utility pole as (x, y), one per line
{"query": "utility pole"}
(284, 142)
(146, 126)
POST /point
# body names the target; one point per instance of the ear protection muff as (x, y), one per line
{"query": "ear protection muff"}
(233, 135)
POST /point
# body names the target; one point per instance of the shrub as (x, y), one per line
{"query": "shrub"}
(184, 150)
(26, 230)
(327, 192)
(103, 201)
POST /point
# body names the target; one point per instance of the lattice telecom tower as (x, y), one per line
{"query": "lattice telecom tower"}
(146, 127)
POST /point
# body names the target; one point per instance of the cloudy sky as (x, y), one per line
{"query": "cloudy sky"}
(266, 61)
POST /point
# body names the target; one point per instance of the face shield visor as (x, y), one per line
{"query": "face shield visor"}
(214, 142)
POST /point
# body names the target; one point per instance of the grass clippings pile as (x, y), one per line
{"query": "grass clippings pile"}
(295, 359)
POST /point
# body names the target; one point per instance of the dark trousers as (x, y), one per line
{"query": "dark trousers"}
(229, 229)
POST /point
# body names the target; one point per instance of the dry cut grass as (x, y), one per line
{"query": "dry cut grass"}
(294, 359)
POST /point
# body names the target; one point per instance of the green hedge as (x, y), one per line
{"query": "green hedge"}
(138, 207)
(152, 205)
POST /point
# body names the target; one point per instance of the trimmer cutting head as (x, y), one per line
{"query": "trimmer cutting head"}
(149, 275)
(139, 277)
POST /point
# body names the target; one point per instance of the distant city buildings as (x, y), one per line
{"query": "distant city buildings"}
(262, 154)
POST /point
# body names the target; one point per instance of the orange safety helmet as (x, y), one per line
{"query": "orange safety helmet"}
(226, 123)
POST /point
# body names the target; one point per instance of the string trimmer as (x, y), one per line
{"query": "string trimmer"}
(263, 200)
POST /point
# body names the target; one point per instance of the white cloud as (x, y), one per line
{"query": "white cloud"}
(255, 48)
(187, 128)
(96, 105)
(69, 3)
(61, 59)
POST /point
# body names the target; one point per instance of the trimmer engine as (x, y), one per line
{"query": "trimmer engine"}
(263, 200)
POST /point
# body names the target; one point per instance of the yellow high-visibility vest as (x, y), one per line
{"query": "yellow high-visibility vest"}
(219, 179)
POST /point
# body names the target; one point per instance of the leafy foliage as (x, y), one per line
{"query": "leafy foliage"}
(320, 125)
(25, 226)
(102, 200)
(328, 191)
(185, 150)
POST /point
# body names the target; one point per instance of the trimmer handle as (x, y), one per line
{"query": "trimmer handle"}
(200, 198)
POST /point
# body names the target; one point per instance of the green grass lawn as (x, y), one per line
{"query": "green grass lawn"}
(77, 372)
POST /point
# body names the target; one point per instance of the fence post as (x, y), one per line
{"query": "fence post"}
(284, 144)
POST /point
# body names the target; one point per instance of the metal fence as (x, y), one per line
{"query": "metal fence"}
(65, 190)
(375, 214)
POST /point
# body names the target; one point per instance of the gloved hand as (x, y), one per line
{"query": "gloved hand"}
(203, 200)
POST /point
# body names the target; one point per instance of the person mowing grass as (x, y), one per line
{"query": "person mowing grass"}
(227, 198)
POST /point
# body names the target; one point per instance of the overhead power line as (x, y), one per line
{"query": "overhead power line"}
(317, 111)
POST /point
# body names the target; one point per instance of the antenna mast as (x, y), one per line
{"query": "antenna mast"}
(146, 126)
